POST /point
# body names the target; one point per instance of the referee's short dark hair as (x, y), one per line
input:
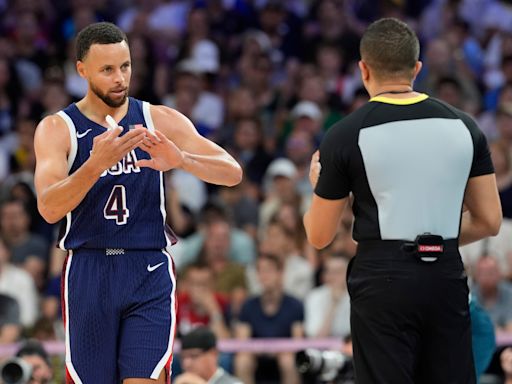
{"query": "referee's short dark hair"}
(97, 33)
(390, 48)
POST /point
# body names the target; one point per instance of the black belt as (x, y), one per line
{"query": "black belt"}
(400, 245)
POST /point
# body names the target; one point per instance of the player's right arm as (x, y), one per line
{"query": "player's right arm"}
(59, 193)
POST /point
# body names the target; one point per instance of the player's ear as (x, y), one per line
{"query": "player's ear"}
(80, 68)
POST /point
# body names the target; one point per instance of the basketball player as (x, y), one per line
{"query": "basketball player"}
(107, 182)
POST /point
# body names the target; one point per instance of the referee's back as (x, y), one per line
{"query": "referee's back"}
(407, 163)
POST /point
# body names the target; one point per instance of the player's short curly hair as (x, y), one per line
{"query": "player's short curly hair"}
(97, 33)
(390, 48)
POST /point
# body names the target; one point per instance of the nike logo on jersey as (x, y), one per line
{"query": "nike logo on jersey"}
(80, 135)
(151, 268)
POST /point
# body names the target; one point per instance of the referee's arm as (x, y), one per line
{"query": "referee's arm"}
(322, 219)
(483, 214)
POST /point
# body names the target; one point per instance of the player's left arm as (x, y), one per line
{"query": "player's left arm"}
(177, 144)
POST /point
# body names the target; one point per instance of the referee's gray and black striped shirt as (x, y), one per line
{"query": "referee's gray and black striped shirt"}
(407, 163)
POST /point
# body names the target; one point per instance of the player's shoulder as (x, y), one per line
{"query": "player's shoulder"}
(170, 121)
(53, 125)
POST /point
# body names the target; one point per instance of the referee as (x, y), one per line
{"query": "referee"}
(412, 163)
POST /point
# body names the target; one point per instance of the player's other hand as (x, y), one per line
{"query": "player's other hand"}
(165, 155)
(314, 169)
(109, 147)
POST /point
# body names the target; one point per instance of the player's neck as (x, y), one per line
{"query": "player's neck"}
(95, 109)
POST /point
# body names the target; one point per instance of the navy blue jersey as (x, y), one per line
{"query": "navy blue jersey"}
(126, 206)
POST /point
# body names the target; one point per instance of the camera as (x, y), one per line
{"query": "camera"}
(317, 366)
(15, 371)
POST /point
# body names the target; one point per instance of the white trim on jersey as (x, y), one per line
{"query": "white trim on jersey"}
(151, 127)
(165, 358)
(71, 159)
(69, 363)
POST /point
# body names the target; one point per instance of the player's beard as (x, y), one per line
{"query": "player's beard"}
(108, 100)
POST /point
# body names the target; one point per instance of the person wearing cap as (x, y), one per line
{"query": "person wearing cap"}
(199, 359)
(423, 184)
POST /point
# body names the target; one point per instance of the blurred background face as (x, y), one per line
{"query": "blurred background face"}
(202, 363)
(506, 361)
(217, 240)
(247, 135)
(13, 220)
(487, 274)
(504, 126)
(299, 147)
(241, 103)
(199, 281)
(41, 372)
(269, 275)
(335, 272)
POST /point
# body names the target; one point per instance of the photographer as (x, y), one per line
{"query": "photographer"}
(31, 366)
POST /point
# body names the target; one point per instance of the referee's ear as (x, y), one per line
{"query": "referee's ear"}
(417, 69)
(365, 71)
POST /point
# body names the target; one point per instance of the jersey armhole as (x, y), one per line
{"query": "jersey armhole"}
(72, 138)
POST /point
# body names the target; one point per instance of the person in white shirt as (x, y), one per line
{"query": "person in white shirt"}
(327, 307)
(18, 284)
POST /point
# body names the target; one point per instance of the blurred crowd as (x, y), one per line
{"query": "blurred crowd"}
(265, 79)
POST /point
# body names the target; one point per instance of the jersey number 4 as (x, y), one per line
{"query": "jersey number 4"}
(116, 209)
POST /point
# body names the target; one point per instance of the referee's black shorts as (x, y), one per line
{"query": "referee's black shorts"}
(409, 318)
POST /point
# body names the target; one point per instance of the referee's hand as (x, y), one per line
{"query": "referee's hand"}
(314, 169)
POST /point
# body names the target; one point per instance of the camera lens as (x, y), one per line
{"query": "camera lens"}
(12, 373)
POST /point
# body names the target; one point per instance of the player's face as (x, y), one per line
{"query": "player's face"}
(107, 68)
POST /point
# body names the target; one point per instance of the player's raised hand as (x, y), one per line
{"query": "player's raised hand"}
(109, 147)
(164, 153)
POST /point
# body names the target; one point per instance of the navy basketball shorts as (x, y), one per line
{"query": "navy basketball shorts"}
(119, 311)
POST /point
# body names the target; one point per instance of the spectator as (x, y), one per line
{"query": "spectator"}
(241, 246)
(327, 308)
(199, 304)
(28, 250)
(280, 241)
(199, 356)
(34, 354)
(493, 293)
(271, 314)
(18, 284)
(10, 323)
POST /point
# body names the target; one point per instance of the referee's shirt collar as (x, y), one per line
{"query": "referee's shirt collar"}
(390, 100)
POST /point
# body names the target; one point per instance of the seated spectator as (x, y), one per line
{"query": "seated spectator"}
(10, 323)
(327, 308)
(17, 283)
(298, 274)
(199, 360)
(493, 293)
(273, 314)
(199, 304)
(500, 246)
(28, 250)
(241, 248)
(34, 354)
